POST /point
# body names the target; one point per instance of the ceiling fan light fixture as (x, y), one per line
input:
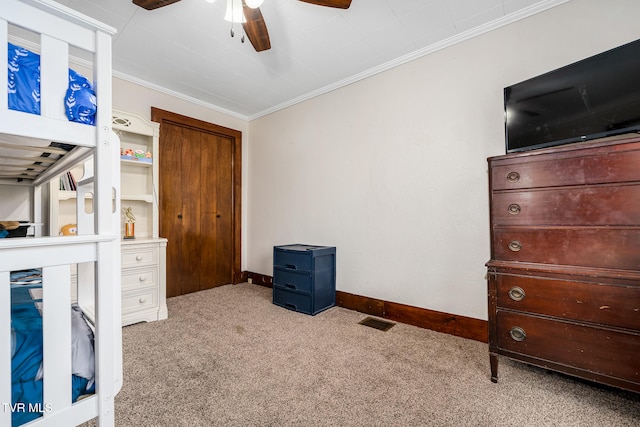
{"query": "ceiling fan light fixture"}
(234, 12)
(254, 3)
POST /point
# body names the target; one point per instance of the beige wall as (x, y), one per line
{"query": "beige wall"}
(392, 170)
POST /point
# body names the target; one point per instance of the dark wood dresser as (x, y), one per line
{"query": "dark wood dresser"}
(564, 274)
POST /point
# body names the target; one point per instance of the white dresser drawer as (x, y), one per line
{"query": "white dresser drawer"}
(139, 300)
(140, 277)
(139, 256)
(143, 279)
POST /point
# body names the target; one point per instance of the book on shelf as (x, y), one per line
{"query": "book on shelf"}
(68, 182)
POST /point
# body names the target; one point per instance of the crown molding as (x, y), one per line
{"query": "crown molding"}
(490, 26)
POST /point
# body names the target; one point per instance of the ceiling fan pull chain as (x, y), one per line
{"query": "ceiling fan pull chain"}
(231, 31)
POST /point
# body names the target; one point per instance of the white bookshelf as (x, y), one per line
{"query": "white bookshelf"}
(143, 258)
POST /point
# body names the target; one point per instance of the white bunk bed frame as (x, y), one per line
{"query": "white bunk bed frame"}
(96, 248)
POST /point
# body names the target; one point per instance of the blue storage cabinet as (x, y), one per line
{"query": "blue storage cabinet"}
(304, 277)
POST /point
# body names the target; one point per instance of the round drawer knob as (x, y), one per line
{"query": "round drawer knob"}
(142, 278)
(142, 300)
(513, 177)
(517, 333)
(516, 293)
(139, 258)
(515, 246)
(514, 209)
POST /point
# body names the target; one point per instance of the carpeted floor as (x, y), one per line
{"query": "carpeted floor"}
(229, 357)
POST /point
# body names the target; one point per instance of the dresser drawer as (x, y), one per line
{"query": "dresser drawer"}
(133, 279)
(139, 256)
(613, 247)
(139, 300)
(293, 300)
(588, 167)
(293, 259)
(603, 351)
(611, 305)
(292, 279)
(595, 205)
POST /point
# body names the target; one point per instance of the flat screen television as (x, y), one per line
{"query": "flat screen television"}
(593, 98)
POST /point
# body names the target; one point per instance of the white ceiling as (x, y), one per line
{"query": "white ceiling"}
(186, 48)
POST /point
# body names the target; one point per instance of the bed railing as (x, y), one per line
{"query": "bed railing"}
(58, 27)
(55, 256)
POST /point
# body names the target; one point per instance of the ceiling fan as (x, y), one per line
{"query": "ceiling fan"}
(255, 27)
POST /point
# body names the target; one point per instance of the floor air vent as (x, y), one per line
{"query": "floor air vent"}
(377, 323)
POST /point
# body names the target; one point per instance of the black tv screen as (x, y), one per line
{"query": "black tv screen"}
(593, 98)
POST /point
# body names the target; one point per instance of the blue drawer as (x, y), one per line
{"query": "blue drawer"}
(293, 259)
(292, 300)
(292, 279)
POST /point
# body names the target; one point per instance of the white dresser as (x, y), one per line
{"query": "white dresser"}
(143, 280)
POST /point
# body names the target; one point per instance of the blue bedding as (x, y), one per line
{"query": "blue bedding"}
(26, 349)
(23, 68)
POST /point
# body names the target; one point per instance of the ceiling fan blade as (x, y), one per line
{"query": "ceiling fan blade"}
(153, 4)
(340, 4)
(255, 28)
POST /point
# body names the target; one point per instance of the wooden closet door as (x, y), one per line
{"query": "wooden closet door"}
(186, 259)
(216, 210)
(197, 207)
(171, 218)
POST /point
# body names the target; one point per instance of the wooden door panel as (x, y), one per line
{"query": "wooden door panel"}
(171, 203)
(209, 270)
(209, 172)
(224, 224)
(217, 184)
(191, 258)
